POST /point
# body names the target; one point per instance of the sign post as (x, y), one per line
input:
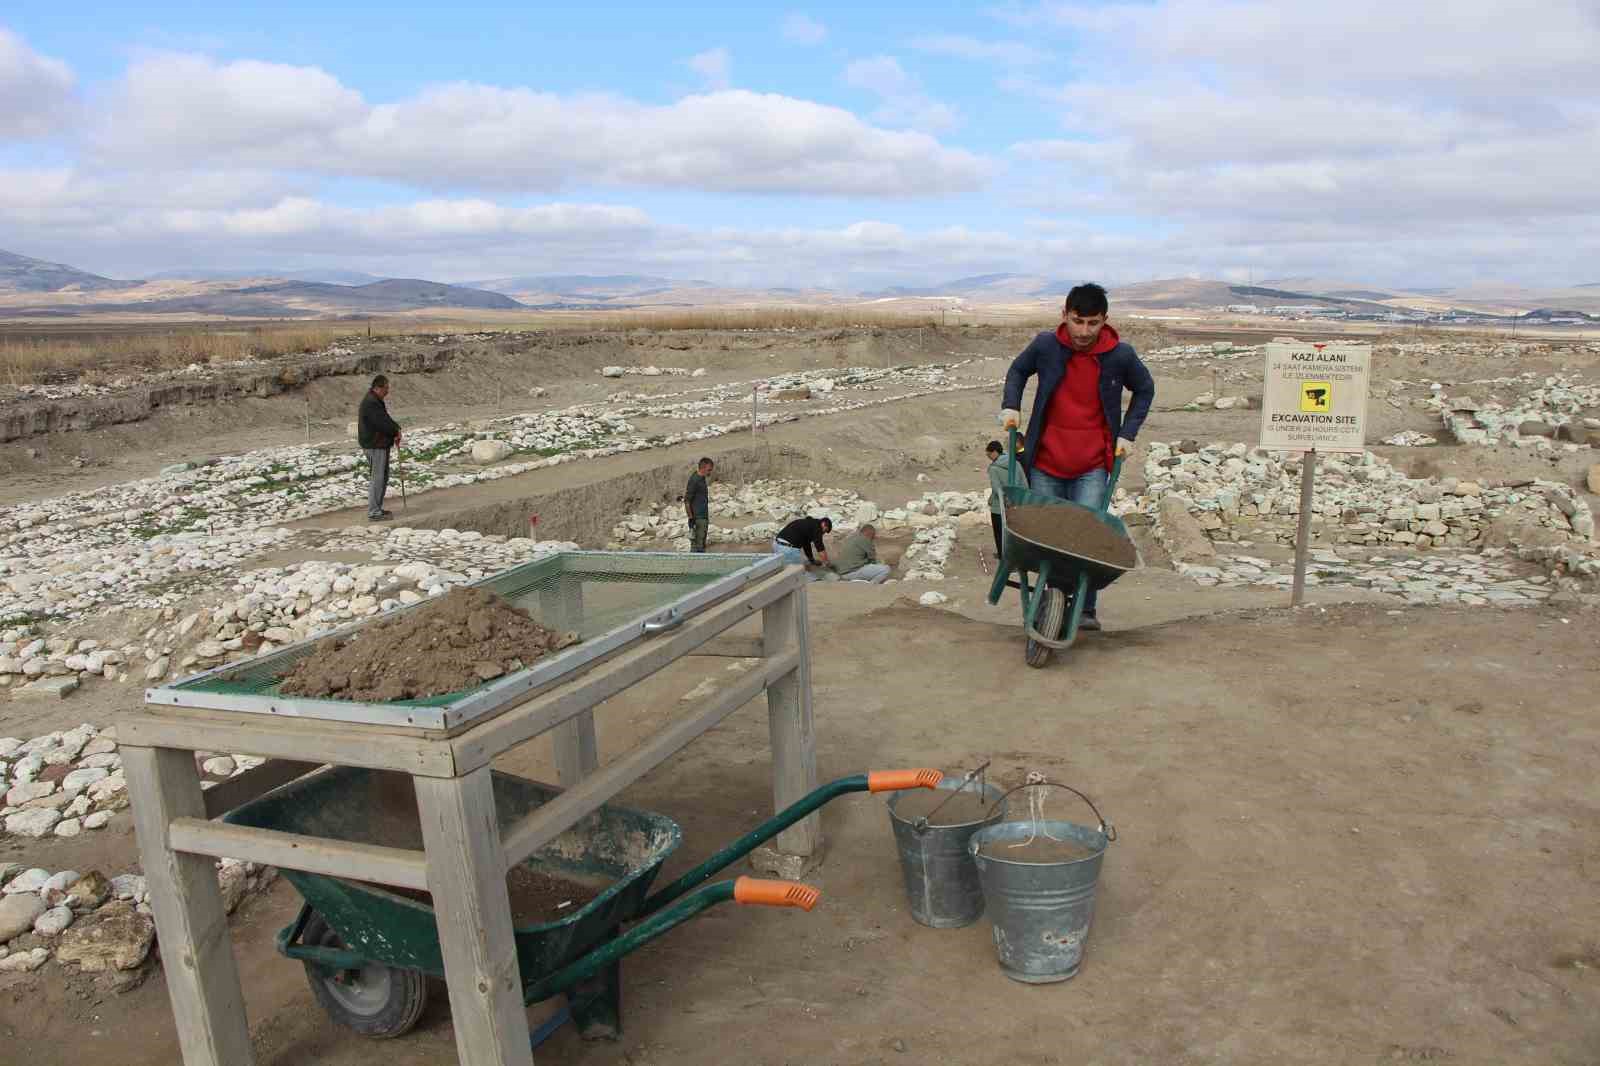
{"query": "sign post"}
(1314, 399)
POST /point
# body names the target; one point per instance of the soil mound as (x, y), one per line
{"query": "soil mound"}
(466, 637)
(1074, 530)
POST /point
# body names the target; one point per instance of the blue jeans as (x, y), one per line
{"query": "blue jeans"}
(793, 556)
(1088, 489)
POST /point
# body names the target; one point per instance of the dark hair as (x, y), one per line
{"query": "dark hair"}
(868, 528)
(705, 460)
(380, 381)
(994, 446)
(1088, 300)
(827, 525)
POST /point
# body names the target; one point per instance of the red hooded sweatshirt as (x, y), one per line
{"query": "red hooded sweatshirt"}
(1076, 439)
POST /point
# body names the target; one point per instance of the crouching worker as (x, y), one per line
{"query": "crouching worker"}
(857, 558)
(801, 541)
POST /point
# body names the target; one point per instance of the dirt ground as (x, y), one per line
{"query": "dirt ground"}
(1356, 832)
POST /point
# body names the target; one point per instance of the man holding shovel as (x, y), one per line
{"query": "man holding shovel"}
(376, 432)
(1078, 427)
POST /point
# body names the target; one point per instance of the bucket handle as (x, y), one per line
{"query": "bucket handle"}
(1105, 827)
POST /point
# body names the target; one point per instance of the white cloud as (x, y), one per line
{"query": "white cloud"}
(177, 111)
(35, 91)
(1010, 53)
(799, 28)
(121, 225)
(714, 66)
(901, 99)
(266, 111)
(1438, 132)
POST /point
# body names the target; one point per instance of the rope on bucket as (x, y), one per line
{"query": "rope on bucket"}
(1036, 780)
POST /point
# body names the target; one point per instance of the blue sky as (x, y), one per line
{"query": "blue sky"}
(826, 144)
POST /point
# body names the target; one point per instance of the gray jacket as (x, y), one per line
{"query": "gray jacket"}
(997, 483)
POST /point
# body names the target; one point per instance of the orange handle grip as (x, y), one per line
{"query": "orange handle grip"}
(775, 893)
(893, 780)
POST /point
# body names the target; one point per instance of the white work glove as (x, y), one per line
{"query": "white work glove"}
(1009, 418)
(1123, 447)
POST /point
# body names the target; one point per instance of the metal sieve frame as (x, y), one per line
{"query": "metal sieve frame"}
(493, 697)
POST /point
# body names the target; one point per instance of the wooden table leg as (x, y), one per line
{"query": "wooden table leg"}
(577, 752)
(794, 738)
(191, 922)
(577, 755)
(467, 878)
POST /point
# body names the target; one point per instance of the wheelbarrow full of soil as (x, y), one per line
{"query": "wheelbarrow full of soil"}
(368, 949)
(1054, 551)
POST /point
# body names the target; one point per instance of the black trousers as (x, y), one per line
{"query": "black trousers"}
(994, 520)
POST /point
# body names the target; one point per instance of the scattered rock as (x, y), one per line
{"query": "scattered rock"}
(50, 688)
(128, 886)
(933, 599)
(33, 823)
(54, 921)
(81, 779)
(24, 961)
(1180, 533)
(18, 913)
(32, 880)
(115, 937)
(220, 766)
(485, 452)
(91, 890)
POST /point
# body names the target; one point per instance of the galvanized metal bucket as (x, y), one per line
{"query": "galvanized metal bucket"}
(1041, 910)
(941, 881)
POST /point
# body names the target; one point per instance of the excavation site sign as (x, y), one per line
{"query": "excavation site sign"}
(1315, 397)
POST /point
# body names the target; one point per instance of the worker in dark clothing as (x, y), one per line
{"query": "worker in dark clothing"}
(376, 432)
(801, 541)
(697, 503)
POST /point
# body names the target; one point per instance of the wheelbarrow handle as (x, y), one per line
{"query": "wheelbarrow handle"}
(895, 780)
(887, 780)
(767, 893)
(757, 891)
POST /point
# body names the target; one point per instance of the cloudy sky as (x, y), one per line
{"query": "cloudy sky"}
(846, 145)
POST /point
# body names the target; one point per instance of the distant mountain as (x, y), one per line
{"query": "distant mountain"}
(976, 287)
(1545, 314)
(393, 294)
(19, 273)
(559, 289)
(325, 277)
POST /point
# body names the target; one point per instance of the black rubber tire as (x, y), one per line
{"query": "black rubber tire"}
(380, 1002)
(1048, 621)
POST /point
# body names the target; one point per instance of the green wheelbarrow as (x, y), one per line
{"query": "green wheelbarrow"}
(1053, 579)
(368, 950)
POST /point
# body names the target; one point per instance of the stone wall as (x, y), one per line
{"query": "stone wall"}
(33, 418)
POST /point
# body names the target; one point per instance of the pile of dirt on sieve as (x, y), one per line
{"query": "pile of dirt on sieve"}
(459, 641)
(1074, 530)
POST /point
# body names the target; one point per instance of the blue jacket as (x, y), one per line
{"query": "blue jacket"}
(1120, 368)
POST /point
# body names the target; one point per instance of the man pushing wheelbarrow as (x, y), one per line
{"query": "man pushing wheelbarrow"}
(1078, 431)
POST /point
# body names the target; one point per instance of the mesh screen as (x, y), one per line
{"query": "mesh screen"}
(591, 593)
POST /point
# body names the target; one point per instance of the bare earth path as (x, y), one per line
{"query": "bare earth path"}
(1348, 835)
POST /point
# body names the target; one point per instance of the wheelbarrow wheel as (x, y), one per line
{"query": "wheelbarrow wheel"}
(377, 1001)
(1052, 614)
